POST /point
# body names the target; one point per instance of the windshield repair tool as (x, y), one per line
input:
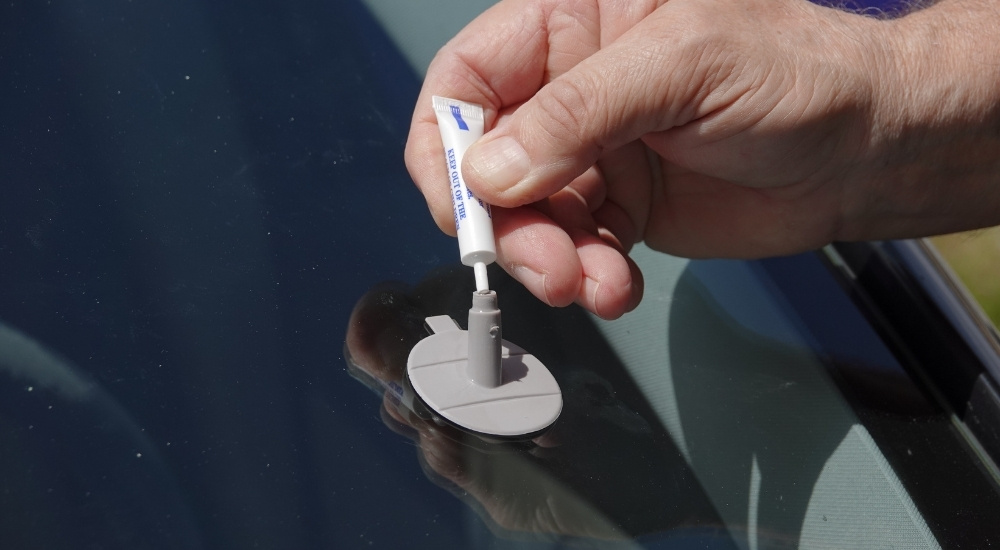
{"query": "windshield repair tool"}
(475, 379)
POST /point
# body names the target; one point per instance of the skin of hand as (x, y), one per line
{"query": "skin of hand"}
(712, 128)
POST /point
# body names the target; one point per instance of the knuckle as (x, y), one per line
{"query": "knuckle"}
(567, 108)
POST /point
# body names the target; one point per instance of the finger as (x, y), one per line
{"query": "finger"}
(395, 420)
(500, 60)
(569, 210)
(444, 456)
(383, 327)
(560, 269)
(615, 227)
(590, 188)
(538, 253)
(618, 17)
(622, 177)
(562, 229)
(424, 157)
(629, 177)
(609, 99)
(609, 287)
(638, 284)
(497, 60)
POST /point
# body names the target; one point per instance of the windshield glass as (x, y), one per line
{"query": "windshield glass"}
(213, 264)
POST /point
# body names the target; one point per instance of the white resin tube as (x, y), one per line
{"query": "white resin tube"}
(461, 124)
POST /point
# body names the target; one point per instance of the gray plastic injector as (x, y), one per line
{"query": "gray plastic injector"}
(485, 350)
(480, 382)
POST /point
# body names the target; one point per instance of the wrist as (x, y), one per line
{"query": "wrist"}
(935, 134)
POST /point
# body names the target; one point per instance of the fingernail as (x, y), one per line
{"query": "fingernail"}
(532, 280)
(501, 163)
(590, 288)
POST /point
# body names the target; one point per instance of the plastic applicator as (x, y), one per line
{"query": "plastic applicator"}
(475, 379)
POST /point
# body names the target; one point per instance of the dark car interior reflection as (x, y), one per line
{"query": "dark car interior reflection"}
(603, 471)
(732, 378)
(198, 200)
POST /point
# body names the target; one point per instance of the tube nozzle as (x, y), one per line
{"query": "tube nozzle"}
(482, 280)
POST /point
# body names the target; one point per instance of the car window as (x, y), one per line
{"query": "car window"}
(748, 394)
(213, 263)
(419, 29)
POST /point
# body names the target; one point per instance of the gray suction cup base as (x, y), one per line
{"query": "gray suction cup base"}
(527, 401)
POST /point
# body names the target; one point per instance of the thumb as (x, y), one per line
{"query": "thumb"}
(602, 103)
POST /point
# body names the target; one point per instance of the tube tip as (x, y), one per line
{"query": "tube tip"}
(482, 280)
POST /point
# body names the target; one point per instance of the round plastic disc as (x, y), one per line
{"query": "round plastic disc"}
(527, 401)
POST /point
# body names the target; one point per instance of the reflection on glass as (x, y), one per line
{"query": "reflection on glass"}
(603, 473)
(741, 386)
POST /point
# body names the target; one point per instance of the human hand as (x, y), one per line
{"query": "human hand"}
(734, 128)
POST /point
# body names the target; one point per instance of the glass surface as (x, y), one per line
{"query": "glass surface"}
(213, 265)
